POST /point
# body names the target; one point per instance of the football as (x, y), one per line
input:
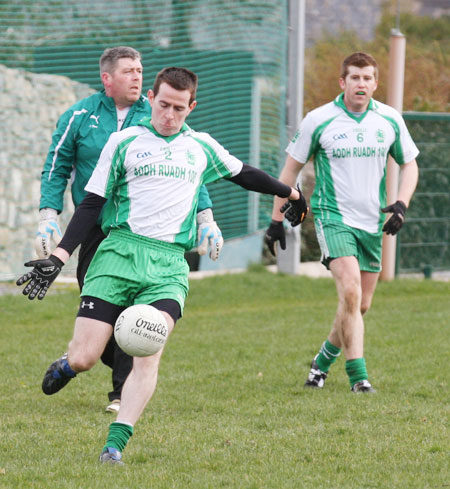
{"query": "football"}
(141, 330)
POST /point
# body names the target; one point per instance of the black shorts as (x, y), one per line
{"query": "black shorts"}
(95, 308)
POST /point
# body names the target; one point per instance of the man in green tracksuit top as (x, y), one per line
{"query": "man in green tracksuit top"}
(80, 135)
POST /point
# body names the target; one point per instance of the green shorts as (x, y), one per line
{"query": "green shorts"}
(130, 269)
(337, 239)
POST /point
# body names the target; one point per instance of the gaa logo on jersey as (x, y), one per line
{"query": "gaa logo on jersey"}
(380, 135)
(190, 157)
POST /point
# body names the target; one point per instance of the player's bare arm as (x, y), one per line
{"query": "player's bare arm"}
(409, 176)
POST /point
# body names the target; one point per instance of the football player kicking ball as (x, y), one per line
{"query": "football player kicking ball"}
(350, 140)
(81, 133)
(150, 222)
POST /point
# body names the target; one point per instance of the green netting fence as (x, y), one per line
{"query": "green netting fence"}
(423, 244)
(237, 47)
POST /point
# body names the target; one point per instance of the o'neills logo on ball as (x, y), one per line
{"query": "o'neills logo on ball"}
(151, 326)
(119, 322)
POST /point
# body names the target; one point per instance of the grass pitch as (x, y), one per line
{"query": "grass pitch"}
(230, 410)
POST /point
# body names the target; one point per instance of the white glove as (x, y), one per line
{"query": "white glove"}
(48, 231)
(209, 233)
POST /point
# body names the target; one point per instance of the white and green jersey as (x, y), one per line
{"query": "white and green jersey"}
(350, 154)
(154, 181)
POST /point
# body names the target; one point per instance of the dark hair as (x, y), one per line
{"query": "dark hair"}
(110, 56)
(359, 60)
(178, 78)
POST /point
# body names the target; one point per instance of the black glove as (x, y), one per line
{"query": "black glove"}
(393, 225)
(41, 277)
(274, 233)
(296, 210)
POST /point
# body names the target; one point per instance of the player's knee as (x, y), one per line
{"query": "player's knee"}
(80, 361)
(147, 366)
(352, 298)
(365, 306)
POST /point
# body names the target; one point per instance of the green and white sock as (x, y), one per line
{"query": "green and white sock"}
(328, 354)
(356, 370)
(119, 434)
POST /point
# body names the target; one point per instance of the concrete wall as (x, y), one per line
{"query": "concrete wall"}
(30, 107)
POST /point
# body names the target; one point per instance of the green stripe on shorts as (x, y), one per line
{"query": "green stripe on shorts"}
(337, 239)
(130, 269)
